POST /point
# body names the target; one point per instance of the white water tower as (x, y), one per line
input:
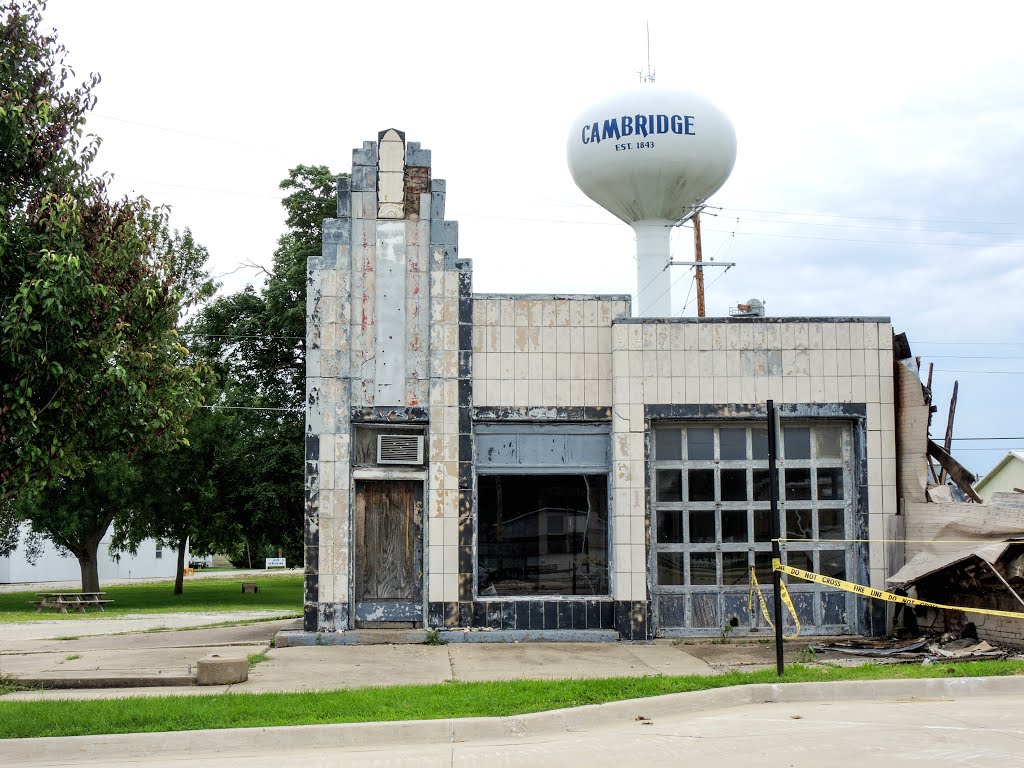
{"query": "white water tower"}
(649, 156)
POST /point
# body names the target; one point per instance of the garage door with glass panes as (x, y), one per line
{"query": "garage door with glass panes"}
(712, 522)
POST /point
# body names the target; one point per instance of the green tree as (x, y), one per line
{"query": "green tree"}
(91, 289)
(75, 513)
(257, 340)
(182, 499)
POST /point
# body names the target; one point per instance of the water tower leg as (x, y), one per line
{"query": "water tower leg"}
(654, 286)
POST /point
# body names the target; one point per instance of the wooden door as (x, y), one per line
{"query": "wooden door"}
(389, 564)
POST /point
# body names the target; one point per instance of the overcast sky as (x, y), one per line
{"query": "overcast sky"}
(879, 166)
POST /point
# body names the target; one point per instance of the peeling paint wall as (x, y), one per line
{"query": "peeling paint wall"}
(382, 334)
(396, 335)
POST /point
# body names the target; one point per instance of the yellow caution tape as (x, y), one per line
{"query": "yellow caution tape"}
(878, 594)
(754, 586)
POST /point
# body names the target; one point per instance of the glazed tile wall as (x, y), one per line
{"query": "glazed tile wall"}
(722, 361)
(345, 382)
(544, 350)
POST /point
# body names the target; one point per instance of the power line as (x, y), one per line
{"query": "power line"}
(997, 373)
(871, 218)
(988, 438)
(239, 336)
(887, 229)
(870, 242)
(978, 343)
(249, 408)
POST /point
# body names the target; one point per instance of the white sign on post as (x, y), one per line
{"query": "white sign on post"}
(276, 562)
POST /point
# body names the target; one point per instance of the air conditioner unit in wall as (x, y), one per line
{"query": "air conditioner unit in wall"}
(399, 449)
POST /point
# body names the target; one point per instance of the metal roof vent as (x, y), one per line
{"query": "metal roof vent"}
(399, 449)
(753, 308)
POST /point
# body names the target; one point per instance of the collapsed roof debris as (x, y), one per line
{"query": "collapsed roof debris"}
(920, 649)
(961, 553)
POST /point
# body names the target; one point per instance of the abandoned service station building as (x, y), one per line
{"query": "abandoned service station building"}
(552, 466)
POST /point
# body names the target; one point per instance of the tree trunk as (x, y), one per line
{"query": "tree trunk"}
(87, 562)
(87, 552)
(180, 572)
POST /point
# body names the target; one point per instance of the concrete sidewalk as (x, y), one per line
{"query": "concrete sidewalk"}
(160, 663)
(164, 663)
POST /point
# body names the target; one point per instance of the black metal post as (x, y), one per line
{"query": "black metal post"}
(773, 495)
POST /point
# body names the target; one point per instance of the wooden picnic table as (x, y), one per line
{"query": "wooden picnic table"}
(61, 601)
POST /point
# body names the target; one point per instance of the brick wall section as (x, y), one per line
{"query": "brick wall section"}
(912, 414)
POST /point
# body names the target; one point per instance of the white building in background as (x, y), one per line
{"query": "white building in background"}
(1007, 475)
(151, 561)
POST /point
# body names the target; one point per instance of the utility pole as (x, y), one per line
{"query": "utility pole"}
(776, 527)
(698, 269)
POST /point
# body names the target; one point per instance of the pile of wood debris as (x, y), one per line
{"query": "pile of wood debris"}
(946, 647)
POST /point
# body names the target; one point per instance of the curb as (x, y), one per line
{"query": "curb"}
(289, 638)
(80, 683)
(150, 746)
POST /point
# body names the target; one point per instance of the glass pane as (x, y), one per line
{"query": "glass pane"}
(670, 568)
(700, 443)
(734, 568)
(668, 444)
(702, 568)
(734, 525)
(670, 527)
(734, 484)
(732, 443)
(798, 484)
(670, 485)
(762, 488)
(830, 483)
(833, 564)
(702, 484)
(763, 568)
(762, 525)
(759, 441)
(828, 442)
(796, 443)
(702, 527)
(830, 524)
(798, 524)
(543, 534)
(801, 560)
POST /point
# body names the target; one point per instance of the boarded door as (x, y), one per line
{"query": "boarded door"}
(389, 564)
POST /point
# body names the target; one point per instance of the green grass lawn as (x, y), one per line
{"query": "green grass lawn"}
(277, 592)
(23, 719)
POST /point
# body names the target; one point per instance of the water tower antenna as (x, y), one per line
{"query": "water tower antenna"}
(649, 77)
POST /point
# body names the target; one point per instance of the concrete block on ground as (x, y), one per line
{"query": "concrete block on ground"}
(222, 670)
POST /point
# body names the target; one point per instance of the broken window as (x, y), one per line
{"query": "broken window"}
(542, 534)
(542, 509)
